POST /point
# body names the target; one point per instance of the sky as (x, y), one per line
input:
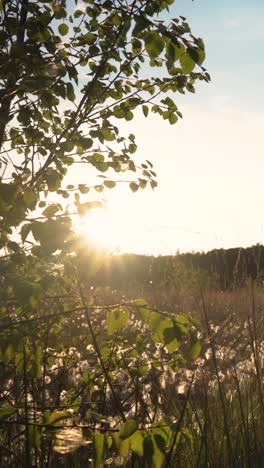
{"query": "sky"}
(210, 165)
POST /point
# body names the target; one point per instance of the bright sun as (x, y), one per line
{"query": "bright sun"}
(107, 229)
(123, 225)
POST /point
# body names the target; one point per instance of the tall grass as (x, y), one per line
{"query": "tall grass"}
(218, 400)
(224, 413)
(215, 404)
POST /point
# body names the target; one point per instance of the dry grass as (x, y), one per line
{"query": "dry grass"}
(224, 413)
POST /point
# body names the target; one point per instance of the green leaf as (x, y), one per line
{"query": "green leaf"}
(63, 29)
(86, 143)
(145, 314)
(99, 444)
(132, 166)
(78, 13)
(142, 183)
(83, 208)
(6, 411)
(53, 180)
(99, 188)
(155, 319)
(136, 46)
(197, 54)
(139, 302)
(136, 443)
(24, 231)
(182, 318)
(187, 63)
(181, 328)
(124, 447)
(133, 186)
(107, 134)
(158, 455)
(109, 183)
(102, 166)
(128, 429)
(168, 334)
(7, 356)
(173, 345)
(55, 417)
(51, 210)
(148, 448)
(89, 38)
(83, 188)
(154, 44)
(70, 93)
(30, 198)
(195, 350)
(173, 118)
(98, 157)
(132, 148)
(145, 110)
(116, 319)
(171, 53)
(138, 371)
(162, 429)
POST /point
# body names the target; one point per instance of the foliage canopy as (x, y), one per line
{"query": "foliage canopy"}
(69, 73)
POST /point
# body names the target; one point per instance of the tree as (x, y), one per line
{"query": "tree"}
(69, 72)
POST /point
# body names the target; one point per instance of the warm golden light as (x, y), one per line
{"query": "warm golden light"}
(107, 230)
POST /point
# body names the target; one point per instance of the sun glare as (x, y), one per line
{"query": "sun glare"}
(107, 230)
(126, 224)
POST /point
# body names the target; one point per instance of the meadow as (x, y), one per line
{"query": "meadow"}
(218, 398)
(173, 378)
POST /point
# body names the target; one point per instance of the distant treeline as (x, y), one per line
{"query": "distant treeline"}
(230, 267)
